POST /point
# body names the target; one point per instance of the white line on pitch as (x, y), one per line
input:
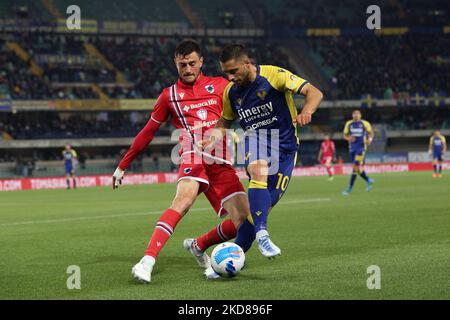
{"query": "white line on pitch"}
(138, 214)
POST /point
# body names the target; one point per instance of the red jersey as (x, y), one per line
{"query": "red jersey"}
(327, 148)
(194, 109)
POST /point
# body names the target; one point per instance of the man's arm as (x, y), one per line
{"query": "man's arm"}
(313, 98)
(430, 145)
(370, 136)
(145, 136)
(444, 142)
(223, 124)
(142, 140)
(347, 135)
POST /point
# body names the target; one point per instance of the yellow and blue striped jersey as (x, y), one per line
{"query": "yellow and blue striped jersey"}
(267, 103)
(358, 129)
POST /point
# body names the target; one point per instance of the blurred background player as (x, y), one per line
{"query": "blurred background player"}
(201, 97)
(327, 155)
(70, 162)
(437, 148)
(268, 89)
(359, 134)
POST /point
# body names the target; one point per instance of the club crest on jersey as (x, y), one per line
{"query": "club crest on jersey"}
(261, 94)
(202, 114)
(209, 88)
(187, 170)
(181, 94)
(186, 108)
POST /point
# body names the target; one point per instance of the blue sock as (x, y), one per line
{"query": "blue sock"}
(435, 168)
(260, 201)
(352, 180)
(364, 176)
(245, 235)
(440, 168)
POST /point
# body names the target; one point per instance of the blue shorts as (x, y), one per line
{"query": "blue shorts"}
(281, 163)
(69, 169)
(358, 156)
(437, 156)
(278, 182)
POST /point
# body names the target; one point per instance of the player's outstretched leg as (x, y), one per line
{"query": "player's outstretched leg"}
(187, 191)
(163, 230)
(197, 247)
(200, 256)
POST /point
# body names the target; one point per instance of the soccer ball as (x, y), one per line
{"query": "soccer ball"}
(227, 259)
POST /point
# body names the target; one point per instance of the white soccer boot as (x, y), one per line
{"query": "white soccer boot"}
(142, 271)
(211, 274)
(266, 246)
(202, 258)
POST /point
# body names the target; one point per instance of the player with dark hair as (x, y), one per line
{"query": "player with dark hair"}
(195, 103)
(260, 98)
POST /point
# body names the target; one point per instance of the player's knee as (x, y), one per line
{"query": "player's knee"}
(182, 204)
(258, 171)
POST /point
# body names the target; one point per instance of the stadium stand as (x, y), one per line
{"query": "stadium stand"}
(96, 89)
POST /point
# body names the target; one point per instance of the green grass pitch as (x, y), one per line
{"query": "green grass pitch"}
(328, 241)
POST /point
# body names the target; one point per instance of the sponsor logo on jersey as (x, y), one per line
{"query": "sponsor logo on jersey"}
(209, 88)
(263, 123)
(357, 132)
(255, 112)
(187, 170)
(209, 102)
(202, 124)
(181, 95)
(202, 114)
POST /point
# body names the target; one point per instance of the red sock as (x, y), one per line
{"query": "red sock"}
(163, 230)
(223, 232)
(330, 173)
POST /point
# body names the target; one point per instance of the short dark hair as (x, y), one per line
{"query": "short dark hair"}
(188, 46)
(233, 51)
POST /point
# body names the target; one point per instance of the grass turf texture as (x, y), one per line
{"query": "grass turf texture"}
(327, 242)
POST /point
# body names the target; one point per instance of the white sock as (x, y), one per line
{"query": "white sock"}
(148, 260)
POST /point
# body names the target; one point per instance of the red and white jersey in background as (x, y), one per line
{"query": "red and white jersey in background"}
(194, 109)
(327, 148)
